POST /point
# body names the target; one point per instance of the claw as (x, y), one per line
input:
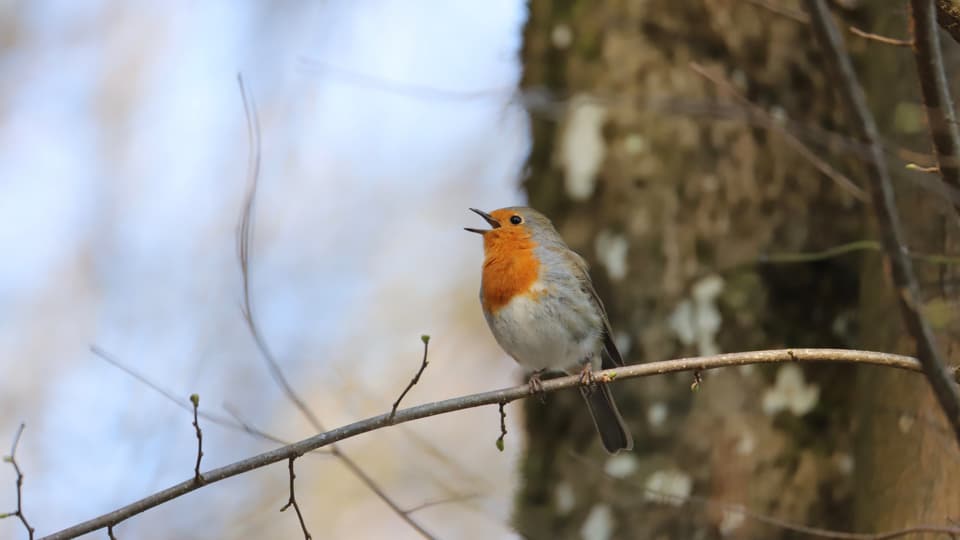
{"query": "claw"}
(586, 375)
(536, 385)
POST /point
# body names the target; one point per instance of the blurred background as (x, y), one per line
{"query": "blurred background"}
(689, 150)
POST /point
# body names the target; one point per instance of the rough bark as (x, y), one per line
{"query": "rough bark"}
(695, 201)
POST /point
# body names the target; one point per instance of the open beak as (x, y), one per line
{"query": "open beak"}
(494, 224)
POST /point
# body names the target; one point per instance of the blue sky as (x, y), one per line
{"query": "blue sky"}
(123, 155)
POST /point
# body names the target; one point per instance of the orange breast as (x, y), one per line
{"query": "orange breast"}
(510, 268)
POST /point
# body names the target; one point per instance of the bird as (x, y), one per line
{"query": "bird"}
(543, 310)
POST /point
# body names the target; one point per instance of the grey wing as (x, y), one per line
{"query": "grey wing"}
(612, 358)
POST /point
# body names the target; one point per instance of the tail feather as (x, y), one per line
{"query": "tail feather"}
(613, 431)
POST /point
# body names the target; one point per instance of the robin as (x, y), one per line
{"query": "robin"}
(543, 310)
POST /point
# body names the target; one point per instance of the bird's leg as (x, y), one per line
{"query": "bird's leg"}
(536, 385)
(586, 373)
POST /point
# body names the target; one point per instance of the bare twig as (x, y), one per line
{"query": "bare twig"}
(935, 169)
(697, 381)
(416, 378)
(885, 210)
(503, 425)
(766, 120)
(12, 460)
(852, 247)
(803, 18)
(110, 534)
(879, 39)
(244, 234)
(292, 501)
(243, 253)
(411, 90)
(734, 508)
(195, 400)
(438, 502)
(941, 116)
(506, 395)
(183, 404)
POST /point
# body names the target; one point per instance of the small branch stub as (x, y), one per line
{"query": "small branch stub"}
(503, 426)
(292, 501)
(416, 378)
(697, 381)
(12, 460)
(197, 477)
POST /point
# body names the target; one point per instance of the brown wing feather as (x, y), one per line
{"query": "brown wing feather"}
(612, 358)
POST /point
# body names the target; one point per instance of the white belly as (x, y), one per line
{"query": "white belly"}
(544, 335)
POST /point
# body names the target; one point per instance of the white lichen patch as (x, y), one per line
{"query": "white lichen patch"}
(612, 252)
(682, 322)
(599, 523)
(561, 36)
(905, 423)
(844, 463)
(582, 147)
(635, 144)
(746, 444)
(668, 486)
(731, 521)
(697, 320)
(621, 465)
(564, 498)
(657, 414)
(790, 392)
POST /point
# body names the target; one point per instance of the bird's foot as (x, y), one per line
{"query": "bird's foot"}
(586, 376)
(536, 385)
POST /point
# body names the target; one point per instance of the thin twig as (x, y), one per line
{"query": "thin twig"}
(195, 400)
(734, 508)
(373, 486)
(292, 501)
(244, 234)
(880, 39)
(803, 18)
(183, 404)
(12, 460)
(885, 210)
(766, 120)
(411, 90)
(416, 378)
(505, 395)
(438, 502)
(503, 426)
(935, 169)
(941, 116)
(110, 534)
(851, 247)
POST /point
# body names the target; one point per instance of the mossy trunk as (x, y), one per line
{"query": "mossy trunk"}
(673, 203)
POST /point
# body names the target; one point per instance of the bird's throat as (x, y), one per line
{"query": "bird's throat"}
(509, 269)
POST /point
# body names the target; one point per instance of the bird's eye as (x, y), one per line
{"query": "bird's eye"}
(516, 220)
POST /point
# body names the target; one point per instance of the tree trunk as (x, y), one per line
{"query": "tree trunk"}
(674, 203)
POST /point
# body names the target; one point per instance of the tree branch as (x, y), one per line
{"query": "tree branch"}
(505, 395)
(941, 116)
(885, 210)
